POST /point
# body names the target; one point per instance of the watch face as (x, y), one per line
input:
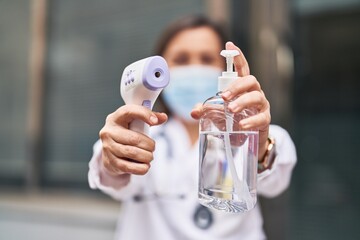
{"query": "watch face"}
(203, 217)
(271, 158)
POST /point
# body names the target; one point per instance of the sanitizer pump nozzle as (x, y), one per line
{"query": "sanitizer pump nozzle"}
(141, 83)
(227, 77)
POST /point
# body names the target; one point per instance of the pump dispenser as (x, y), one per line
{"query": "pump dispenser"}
(228, 155)
(229, 76)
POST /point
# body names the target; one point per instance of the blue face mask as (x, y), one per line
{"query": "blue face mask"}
(190, 85)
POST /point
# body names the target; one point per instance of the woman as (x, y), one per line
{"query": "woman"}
(161, 202)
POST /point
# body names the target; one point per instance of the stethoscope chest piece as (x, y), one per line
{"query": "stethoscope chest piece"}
(203, 217)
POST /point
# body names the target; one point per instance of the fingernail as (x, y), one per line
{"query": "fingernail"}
(227, 94)
(153, 119)
(232, 106)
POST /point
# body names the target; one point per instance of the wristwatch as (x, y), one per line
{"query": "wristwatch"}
(267, 161)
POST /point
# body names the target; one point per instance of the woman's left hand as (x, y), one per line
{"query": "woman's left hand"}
(246, 93)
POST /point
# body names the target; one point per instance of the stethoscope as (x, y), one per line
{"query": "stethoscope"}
(202, 217)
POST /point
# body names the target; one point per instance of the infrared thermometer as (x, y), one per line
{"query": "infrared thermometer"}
(141, 84)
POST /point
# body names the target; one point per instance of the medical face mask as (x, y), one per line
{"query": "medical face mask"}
(190, 85)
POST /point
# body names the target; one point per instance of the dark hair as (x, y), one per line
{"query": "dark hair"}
(179, 25)
(184, 23)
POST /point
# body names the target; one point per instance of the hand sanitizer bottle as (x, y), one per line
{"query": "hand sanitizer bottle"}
(228, 155)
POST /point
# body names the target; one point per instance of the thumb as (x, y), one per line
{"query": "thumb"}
(196, 112)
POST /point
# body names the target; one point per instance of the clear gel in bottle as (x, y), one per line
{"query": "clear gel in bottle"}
(228, 155)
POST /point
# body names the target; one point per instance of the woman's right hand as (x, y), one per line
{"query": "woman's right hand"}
(124, 150)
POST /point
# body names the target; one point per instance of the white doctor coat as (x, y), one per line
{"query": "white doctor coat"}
(163, 203)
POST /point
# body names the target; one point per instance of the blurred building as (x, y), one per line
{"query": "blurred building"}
(60, 67)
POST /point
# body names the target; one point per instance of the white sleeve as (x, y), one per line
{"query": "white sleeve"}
(123, 187)
(274, 181)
